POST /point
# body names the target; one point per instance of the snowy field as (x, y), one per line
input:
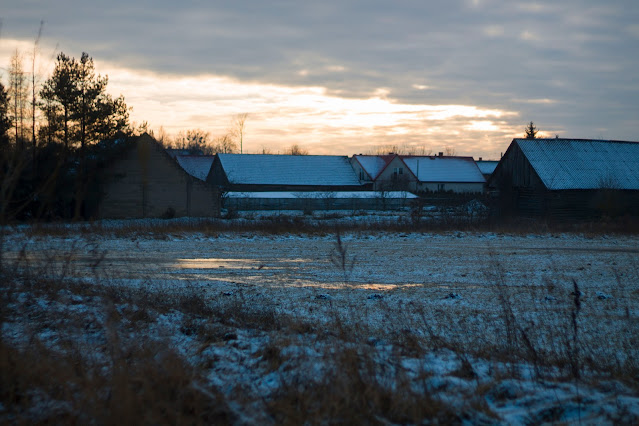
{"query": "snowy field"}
(365, 327)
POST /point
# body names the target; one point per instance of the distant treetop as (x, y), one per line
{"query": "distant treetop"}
(531, 131)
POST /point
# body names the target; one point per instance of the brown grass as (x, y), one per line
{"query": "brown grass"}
(325, 224)
(144, 381)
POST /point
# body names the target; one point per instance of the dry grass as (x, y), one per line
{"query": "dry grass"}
(107, 366)
(402, 222)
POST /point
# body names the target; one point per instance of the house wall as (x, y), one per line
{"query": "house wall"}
(515, 171)
(146, 182)
(388, 181)
(362, 175)
(313, 204)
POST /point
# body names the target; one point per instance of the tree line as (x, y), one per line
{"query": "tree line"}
(50, 135)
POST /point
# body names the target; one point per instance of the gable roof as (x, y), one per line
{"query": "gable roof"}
(267, 169)
(583, 163)
(444, 169)
(374, 165)
(487, 167)
(197, 166)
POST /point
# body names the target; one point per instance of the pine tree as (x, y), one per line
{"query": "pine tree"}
(531, 131)
(75, 103)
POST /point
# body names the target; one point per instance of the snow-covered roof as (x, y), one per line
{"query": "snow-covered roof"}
(583, 164)
(266, 169)
(444, 169)
(487, 167)
(373, 164)
(197, 166)
(320, 194)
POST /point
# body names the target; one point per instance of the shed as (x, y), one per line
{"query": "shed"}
(569, 178)
(266, 172)
(144, 181)
(311, 201)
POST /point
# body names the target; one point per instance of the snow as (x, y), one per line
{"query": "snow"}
(399, 289)
(197, 166)
(444, 169)
(583, 164)
(487, 167)
(321, 194)
(373, 164)
(265, 169)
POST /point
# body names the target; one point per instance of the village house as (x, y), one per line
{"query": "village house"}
(144, 181)
(568, 178)
(420, 173)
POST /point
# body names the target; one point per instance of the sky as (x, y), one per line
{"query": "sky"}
(345, 77)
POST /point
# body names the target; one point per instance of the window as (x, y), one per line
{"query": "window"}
(440, 187)
(397, 171)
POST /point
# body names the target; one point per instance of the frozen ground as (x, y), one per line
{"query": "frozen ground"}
(494, 328)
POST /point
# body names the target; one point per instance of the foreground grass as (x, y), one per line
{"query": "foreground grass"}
(79, 352)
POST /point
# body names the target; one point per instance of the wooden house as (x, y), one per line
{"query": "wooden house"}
(568, 178)
(144, 181)
(266, 172)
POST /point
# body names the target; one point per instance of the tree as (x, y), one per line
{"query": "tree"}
(450, 151)
(5, 121)
(18, 92)
(531, 131)
(34, 102)
(74, 100)
(238, 130)
(93, 106)
(197, 141)
(224, 144)
(58, 95)
(296, 150)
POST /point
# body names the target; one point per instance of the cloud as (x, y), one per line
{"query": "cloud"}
(485, 54)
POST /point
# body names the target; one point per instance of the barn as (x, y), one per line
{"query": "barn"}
(143, 180)
(266, 172)
(568, 178)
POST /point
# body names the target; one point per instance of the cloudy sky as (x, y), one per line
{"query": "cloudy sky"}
(344, 77)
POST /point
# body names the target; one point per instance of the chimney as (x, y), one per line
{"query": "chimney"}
(441, 154)
(479, 159)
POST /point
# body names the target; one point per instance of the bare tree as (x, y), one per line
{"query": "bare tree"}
(18, 93)
(266, 150)
(403, 149)
(162, 136)
(238, 129)
(224, 144)
(195, 140)
(450, 151)
(295, 149)
(34, 102)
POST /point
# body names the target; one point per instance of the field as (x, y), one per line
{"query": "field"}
(377, 327)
